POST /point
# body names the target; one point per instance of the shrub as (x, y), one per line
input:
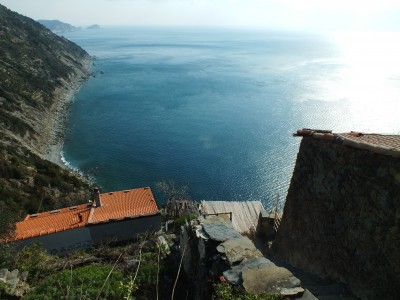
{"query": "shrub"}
(36, 261)
(42, 180)
(5, 256)
(4, 288)
(181, 221)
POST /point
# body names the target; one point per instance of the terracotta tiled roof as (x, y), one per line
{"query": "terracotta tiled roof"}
(114, 206)
(386, 144)
(53, 221)
(124, 204)
(379, 140)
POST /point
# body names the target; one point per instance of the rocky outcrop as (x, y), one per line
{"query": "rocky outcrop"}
(15, 283)
(342, 217)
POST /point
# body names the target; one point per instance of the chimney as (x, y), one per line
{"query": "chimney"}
(97, 200)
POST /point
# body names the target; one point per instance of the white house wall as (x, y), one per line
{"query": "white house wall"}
(124, 230)
(63, 242)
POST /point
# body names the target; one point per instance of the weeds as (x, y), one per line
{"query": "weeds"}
(36, 261)
(225, 291)
(89, 282)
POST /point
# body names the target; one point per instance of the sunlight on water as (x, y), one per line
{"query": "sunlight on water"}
(371, 80)
(373, 60)
(365, 80)
(216, 109)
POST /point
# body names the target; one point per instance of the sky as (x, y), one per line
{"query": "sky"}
(311, 15)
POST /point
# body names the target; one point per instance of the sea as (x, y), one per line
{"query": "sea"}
(215, 109)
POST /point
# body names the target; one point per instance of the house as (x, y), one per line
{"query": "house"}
(114, 216)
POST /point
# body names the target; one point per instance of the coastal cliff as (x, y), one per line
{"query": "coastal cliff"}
(39, 74)
(57, 26)
(37, 69)
(341, 216)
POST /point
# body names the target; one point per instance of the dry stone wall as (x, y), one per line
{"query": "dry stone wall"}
(342, 217)
(214, 251)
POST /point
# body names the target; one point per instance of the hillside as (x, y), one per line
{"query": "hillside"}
(37, 70)
(57, 26)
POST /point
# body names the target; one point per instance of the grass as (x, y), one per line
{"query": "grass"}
(225, 291)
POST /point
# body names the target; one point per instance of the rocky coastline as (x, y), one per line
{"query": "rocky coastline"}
(58, 116)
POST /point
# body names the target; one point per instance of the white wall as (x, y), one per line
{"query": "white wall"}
(63, 242)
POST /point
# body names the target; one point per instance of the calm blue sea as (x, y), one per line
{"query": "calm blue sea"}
(216, 109)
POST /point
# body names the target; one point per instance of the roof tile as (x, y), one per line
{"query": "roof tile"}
(379, 140)
(52, 221)
(115, 206)
(124, 204)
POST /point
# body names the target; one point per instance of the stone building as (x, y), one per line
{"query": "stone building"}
(342, 213)
(114, 216)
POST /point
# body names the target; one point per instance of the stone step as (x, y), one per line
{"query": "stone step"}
(322, 288)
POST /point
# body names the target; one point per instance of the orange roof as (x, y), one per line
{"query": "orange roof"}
(124, 204)
(114, 206)
(53, 221)
(379, 140)
(386, 144)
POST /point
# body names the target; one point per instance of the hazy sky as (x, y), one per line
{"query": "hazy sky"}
(284, 14)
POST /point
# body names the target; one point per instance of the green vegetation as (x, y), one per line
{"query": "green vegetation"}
(33, 61)
(7, 223)
(179, 222)
(3, 290)
(36, 261)
(137, 270)
(29, 184)
(89, 282)
(5, 256)
(225, 291)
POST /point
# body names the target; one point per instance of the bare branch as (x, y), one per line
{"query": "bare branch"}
(108, 276)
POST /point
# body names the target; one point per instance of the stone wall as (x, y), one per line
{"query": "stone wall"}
(342, 217)
(214, 251)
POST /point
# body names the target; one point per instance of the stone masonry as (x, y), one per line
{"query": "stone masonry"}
(213, 251)
(342, 217)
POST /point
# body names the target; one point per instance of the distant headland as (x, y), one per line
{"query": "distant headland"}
(94, 26)
(57, 26)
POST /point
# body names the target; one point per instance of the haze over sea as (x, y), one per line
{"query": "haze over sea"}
(216, 109)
